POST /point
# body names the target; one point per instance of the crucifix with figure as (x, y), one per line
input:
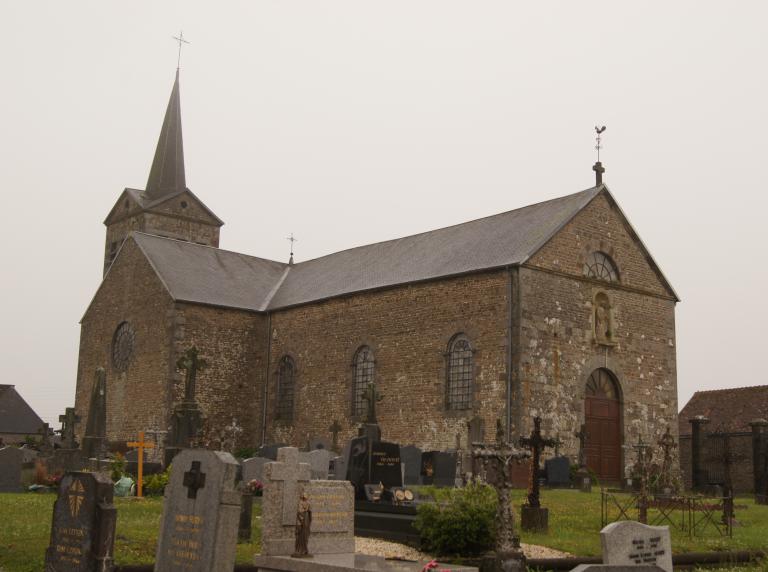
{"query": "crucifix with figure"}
(141, 444)
(536, 443)
(372, 397)
(191, 363)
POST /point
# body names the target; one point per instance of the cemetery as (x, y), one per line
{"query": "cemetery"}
(66, 508)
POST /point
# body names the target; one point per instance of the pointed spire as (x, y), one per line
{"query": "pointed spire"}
(167, 172)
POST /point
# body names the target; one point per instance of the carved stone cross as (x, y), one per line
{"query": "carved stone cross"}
(68, 422)
(292, 475)
(191, 363)
(194, 480)
(536, 443)
(372, 397)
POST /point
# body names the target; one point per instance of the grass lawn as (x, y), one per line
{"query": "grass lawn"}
(25, 521)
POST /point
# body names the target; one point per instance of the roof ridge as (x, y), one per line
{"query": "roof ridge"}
(186, 242)
(741, 387)
(560, 198)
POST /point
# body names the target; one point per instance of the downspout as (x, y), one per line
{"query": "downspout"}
(509, 356)
(266, 382)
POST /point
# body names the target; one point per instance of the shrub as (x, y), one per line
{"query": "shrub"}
(155, 484)
(117, 465)
(463, 524)
(245, 453)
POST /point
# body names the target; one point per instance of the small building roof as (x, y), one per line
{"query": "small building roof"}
(16, 416)
(732, 409)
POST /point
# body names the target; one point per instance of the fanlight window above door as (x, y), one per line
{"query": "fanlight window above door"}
(601, 384)
(600, 266)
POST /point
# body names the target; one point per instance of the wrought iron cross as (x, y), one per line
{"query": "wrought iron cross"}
(599, 131)
(191, 363)
(536, 443)
(194, 480)
(180, 39)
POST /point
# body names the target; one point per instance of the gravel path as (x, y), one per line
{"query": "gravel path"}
(376, 547)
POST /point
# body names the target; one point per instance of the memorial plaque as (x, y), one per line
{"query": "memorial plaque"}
(635, 544)
(558, 472)
(201, 513)
(83, 528)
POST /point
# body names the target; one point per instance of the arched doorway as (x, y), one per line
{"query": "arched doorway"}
(602, 414)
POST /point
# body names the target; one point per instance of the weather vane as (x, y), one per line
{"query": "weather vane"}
(180, 39)
(599, 131)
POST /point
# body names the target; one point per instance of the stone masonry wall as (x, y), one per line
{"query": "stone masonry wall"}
(408, 328)
(742, 470)
(234, 344)
(560, 350)
(136, 398)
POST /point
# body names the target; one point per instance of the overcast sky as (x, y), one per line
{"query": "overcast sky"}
(354, 122)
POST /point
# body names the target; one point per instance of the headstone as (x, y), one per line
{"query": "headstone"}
(332, 503)
(445, 469)
(253, 469)
(319, 461)
(11, 460)
(338, 469)
(68, 422)
(410, 455)
(270, 451)
(616, 568)
(558, 472)
(83, 529)
(201, 513)
(632, 543)
(320, 443)
(385, 465)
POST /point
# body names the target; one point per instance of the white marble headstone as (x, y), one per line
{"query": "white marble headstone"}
(630, 543)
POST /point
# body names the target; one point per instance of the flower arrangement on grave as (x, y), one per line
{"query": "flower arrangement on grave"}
(256, 487)
(432, 565)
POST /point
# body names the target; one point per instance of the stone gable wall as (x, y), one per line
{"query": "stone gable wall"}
(599, 226)
(408, 328)
(181, 229)
(137, 397)
(234, 343)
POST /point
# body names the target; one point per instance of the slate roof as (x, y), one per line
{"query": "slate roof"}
(16, 416)
(733, 408)
(208, 275)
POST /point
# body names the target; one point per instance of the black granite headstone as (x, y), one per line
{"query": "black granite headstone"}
(558, 472)
(83, 529)
(445, 469)
(357, 465)
(385, 465)
(411, 458)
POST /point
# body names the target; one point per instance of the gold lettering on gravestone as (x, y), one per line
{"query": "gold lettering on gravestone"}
(382, 460)
(70, 541)
(331, 510)
(646, 554)
(186, 549)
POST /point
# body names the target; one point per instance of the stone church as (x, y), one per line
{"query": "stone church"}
(555, 309)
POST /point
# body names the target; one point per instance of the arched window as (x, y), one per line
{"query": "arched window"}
(600, 266)
(459, 382)
(122, 346)
(286, 386)
(364, 366)
(601, 384)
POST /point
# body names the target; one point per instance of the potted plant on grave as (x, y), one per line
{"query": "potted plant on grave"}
(256, 488)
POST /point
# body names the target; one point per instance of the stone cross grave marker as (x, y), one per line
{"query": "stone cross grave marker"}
(83, 529)
(68, 422)
(333, 508)
(335, 428)
(201, 512)
(140, 445)
(632, 543)
(283, 481)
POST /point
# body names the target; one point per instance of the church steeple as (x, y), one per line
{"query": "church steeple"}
(167, 173)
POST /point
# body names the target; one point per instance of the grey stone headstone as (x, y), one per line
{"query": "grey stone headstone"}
(319, 461)
(11, 460)
(332, 502)
(29, 455)
(201, 512)
(558, 471)
(253, 468)
(410, 456)
(628, 543)
(476, 431)
(83, 527)
(445, 469)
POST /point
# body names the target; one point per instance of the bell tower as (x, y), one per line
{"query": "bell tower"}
(166, 207)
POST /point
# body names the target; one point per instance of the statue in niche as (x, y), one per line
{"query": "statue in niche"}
(603, 319)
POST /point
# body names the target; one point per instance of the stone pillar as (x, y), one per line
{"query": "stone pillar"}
(697, 449)
(760, 459)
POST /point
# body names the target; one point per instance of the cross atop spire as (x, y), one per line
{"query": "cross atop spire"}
(167, 173)
(598, 167)
(291, 239)
(180, 39)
